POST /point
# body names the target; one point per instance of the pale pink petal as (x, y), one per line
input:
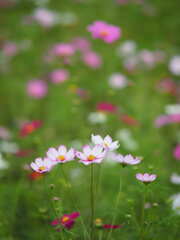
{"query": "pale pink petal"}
(39, 162)
(62, 150)
(96, 139)
(97, 150)
(108, 140)
(87, 150)
(52, 153)
(70, 154)
(81, 155)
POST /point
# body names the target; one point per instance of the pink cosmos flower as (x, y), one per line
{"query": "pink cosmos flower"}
(109, 226)
(105, 143)
(177, 152)
(37, 88)
(30, 127)
(146, 178)
(45, 17)
(167, 119)
(64, 50)
(67, 221)
(59, 76)
(42, 165)
(61, 155)
(10, 49)
(126, 160)
(81, 44)
(4, 133)
(94, 155)
(106, 107)
(108, 33)
(92, 59)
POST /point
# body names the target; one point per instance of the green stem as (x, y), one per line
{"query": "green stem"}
(98, 180)
(116, 205)
(74, 202)
(100, 234)
(92, 202)
(143, 214)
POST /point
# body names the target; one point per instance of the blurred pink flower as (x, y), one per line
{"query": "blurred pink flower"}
(105, 143)
(118, 81)
(10, 49)
(167, 119)
(94, 155)
(146, 178)
(42, 165)
(59, 76)
(177, 152)
(64, 50)
(30, 127)
(109, 226)
(126, 160)
(61, 155)
(37, 88)
(4, 133)
(44, 17)
(92, 59)
(108, 33)
(167, 85)
(106, 107)
(81, 44)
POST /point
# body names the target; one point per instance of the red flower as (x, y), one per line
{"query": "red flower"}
(24, 153)
(128, 120)
(30, 127)
(109, 226)
(106, 107)
(67, 220)
(35, 175)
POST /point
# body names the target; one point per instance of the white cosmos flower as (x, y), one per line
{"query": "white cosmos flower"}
(106, 143)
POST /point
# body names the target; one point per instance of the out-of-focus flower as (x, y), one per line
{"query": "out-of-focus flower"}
(64, 50)
(107, 32)
(24, 152)
(45, 17)
(167, 119)
(125, 160)
(172, 109)
(55, 199)
(122, 2)
(67, 221)
(127, 49)
(174, 65)
(4, 133)
(176, 203)
(9, 147)
(106, 107)
(42, 165)
(97, 118)
(30, 127)
(59, 76)
(105, 143)
(118, 81)
(167, 85)
(92, 59)
(37, 88)
(146, 178)
(35, 175)
(3, 164)
(98, 223)
(130, 64)
(177, 152)
(126, 138)
(109, 226)
(81, 44)
(147, 57)
(175, 178)
(61, 155)
(94, 155)
(128, 119)
(10, 49)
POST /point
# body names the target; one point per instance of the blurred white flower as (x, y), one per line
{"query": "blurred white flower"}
(125, 137)
(175, 178)
(4, 133)
(108, 159)
(147, 57)
(97, 117)
(9, 147)
(174, 65)
(118, 81)
(127, 48)
(3, 163)
(67, 18)
(172, 109)
(176, 203)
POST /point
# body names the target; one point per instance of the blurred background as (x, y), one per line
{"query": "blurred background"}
(128, 89)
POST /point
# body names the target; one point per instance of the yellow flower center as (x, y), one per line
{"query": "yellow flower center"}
(91, 158)
(61, 158)
(104, 33)
(30, 128)
(105, 144)
(65, 219)
(41, 168)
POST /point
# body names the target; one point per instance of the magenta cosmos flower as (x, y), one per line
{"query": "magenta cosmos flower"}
(177, 152)
(108, 33)
(105, 143)
(61, 155)
(92, 59)
(37, 88)
(67, 221)
(146, 178)
(42, 165)
(126, 160)
(94, 155)
(59, 76)
(64, 50)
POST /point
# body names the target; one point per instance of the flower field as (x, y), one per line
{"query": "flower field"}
(89, 125)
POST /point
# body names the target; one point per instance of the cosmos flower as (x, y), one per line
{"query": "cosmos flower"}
(61, 155)
(106, 107)
(45, 17)
(105, 143)
(37, 88)
(92, 59)
(94, 155)
(4, 133)
(145, 178)
(127, 49)
(42, 165)
(59, 76)
(30, 127)
(174, 65)
(108, 33)
(167, 119)
(175, 178)
(176, 203)
(177, 152)
(81, 44)
(10, 49)
(109, 226)
(64, 50)
(118, 81)
(67, 221)
(125, 160)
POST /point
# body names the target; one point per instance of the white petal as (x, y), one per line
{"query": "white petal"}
(97, 150)
(81, 155)
(87, 150)
(108, 140)
(52, 153)
(70, 154)
(39, 162)
(96, 139)
(62, 150)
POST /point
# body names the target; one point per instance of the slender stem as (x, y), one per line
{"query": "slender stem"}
(98, 180)
(116, 205)
(143, 213)
(74, 201)
(100, 234)
(92, 202)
